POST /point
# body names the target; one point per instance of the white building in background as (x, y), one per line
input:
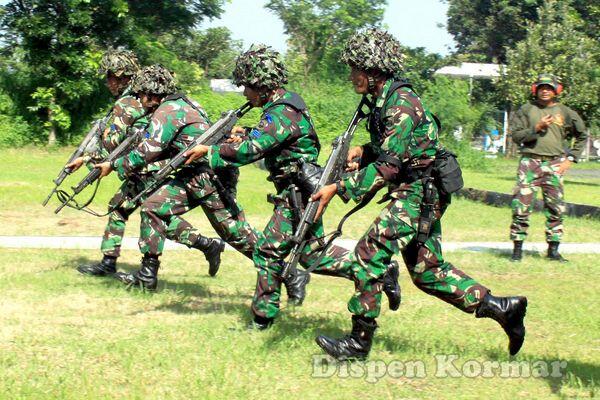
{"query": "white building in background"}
(473, 71)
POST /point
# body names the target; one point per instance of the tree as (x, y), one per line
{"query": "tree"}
(555, 45)
(54, 40)
(318, 29)
(161, 16)
(52, 49)
(213, 50)
(487, 27)
(419, 66)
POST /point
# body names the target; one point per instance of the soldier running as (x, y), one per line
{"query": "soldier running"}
(404, 143)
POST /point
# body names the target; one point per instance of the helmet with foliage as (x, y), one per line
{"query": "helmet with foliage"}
(120, 62)
(154, 79)
(260, 66)
(374, 50)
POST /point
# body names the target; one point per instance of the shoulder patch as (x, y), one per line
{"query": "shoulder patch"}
(268, 118)
(255, 133)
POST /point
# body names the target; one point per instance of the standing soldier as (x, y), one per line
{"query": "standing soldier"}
(175, 121)
(285, 137)
(404, 144)
(540, 129)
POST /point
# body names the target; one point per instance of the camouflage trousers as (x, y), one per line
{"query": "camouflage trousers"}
(162, 210)
(532, 175)
(393, 232)
(117, 219)
(275, 244)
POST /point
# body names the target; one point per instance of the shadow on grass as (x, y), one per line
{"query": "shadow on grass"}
(337, 326)
(201, 300)
(507, 254)
(574, 374)
(195, 297)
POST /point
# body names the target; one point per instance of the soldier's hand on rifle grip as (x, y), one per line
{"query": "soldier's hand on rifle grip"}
(76, 164)
(324, 196)
(354, 154)
(105, 168)
(234, 138)
(196, 153)
(238, 130)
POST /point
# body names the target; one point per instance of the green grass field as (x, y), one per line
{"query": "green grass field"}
(66, 336)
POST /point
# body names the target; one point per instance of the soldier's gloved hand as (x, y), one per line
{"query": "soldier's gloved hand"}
(196, 153)
(105, 168)
(324, 196)
(76, 164)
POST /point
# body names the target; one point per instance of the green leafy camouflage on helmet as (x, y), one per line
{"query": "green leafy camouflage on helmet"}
(154, 79)
(260, 66)
(374, 50)
(121, 63)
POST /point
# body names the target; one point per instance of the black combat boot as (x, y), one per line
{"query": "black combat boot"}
(107, 266)
(260, 323)
(146, 277)
(354, 346)
(391, 287)
(509, 312)
(295, 285)
(517, 253)
(212, 249)
(553, 253)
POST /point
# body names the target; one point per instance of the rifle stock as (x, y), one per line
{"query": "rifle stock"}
(331, 173)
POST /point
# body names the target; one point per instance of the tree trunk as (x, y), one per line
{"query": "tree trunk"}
(52, 133)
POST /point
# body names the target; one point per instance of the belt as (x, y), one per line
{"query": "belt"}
(542, 158)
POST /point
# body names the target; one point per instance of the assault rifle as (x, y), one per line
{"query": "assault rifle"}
(91, 139)
(122, 149)
(331, 173)
(211, 136)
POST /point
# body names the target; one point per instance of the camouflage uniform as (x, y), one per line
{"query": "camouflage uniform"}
(404, 143)
(408, 133)
(172, 127)
(125, 114)
(284, 137)
(542, 153)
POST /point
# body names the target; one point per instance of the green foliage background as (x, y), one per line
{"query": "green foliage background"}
(50, 49)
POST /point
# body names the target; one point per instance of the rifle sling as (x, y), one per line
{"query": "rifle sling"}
(338, 232)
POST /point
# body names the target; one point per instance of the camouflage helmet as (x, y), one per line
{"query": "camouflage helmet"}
(374, 50)
(260, 66)
(154, 79)
(120, 62)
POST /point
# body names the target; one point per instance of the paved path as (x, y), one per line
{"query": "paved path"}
(130, 243)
